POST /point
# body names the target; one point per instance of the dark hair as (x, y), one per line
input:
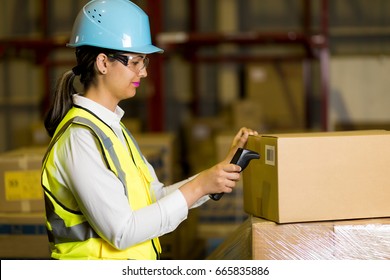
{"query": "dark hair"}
(62, 100)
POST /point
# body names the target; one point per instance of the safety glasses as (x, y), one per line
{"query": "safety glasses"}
(135, 63)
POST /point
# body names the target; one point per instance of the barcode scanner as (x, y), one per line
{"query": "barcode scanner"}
(242, 157)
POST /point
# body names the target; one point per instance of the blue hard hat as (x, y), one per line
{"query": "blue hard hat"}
(113, 24)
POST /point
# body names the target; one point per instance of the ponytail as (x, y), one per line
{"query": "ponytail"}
(62, 102)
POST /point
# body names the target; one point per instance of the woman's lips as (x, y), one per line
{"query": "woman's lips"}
(136, 84)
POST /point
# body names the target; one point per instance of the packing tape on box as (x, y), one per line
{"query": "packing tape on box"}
(23, 163)
(25, 206)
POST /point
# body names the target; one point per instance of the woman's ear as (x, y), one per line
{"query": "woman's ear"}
(101, 63)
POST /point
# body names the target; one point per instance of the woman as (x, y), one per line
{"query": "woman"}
(103, 199)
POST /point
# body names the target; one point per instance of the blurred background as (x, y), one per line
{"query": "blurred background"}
(272, 65)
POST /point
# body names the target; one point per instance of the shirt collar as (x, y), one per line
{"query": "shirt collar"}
(106, 115)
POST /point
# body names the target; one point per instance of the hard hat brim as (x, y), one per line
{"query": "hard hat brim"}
(148, 49)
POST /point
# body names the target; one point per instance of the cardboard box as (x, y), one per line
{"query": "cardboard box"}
(260, 239)
(279, 88)
(366, 239)
(134, 125)
(319, 176)
(23, 236)
(20, 180)
(199, 144)
(165, 145)
(39, 135)
(181, 243)
(248, 113)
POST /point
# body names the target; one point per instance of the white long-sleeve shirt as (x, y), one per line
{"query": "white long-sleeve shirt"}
(99, 193)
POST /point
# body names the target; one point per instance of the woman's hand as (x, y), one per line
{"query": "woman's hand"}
(239, 141)
(220, 178)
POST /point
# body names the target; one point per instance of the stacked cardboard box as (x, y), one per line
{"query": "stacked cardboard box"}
(319, 176)
(199, 138)
(23, 236)
(22, 224)
(260, 239)
(277, 89)
(183, 243)
(161, 151)
(20, 181)
(315, 196)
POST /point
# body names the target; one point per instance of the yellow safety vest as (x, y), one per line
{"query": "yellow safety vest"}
(70, 235)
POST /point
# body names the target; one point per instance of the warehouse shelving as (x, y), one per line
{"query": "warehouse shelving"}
(316, 46)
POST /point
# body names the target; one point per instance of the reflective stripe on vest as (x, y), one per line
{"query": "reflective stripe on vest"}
(70, 235)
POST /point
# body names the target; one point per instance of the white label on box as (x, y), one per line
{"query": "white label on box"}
(270, 155)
